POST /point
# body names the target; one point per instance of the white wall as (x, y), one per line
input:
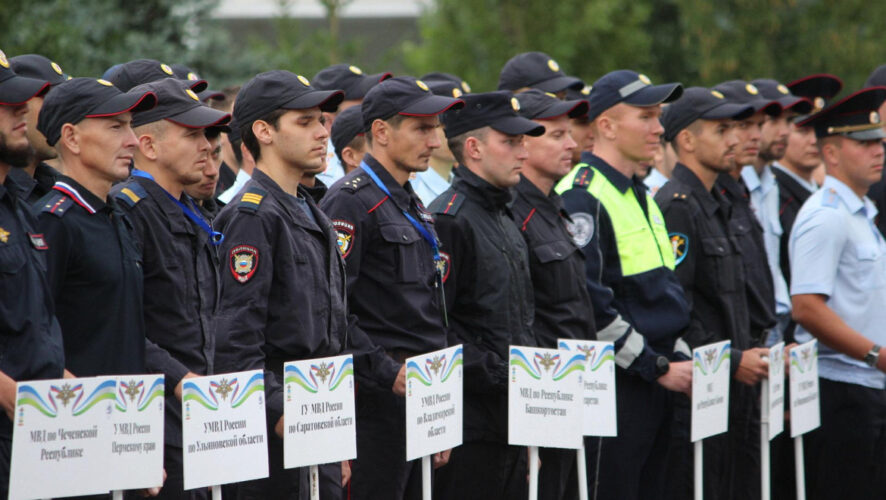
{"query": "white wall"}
(313, 8)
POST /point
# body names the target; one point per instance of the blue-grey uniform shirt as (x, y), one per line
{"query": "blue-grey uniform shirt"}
(428, 185)
(837, 251)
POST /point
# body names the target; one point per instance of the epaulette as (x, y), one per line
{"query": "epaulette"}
(830, 198)
(355, 183)
(448, 204)
(130, 195)
(251, 199)
(57, 204)
(583, 177)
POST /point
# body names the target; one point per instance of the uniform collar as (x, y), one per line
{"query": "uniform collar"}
(81, 196)
(853, 203)
(550, 207)
(764, 181)
(478, 189)
(734, 187)
(615, 177)
(176, 219)
(808, 186)
(286, 200)
(402, 194)
(707, 199)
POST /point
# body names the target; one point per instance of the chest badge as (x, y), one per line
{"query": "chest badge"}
(38, 241)
(4, 235)
(244, 262)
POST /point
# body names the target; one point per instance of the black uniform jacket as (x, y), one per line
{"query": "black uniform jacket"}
(791, 196)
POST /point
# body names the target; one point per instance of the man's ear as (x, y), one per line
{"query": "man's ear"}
(70, 138)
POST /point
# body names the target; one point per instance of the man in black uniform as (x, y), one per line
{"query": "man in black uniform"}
(178, 250)
(31, 337)
(563, 307)
(388, 241)
(38, 177)
(283, 278)
(488, 289)
(94, 264)
(709, 266)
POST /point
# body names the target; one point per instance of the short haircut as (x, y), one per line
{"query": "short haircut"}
(252, 145)
(457, 144)
(357, 142)
(394, 121)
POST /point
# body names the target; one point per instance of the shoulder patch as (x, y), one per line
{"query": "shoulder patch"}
(344, 232)
(583, 177)
(244, 262)
(581, 227)
(830, 198)
(355, 183)
(448, 204)
(57, 204)
(680, 245)
(251, 199)
(444, 265)
(131, 194)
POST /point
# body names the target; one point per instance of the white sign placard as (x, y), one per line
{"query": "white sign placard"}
(805, 411)
(434, 411)
(61, 438)
(320, 424)
(710, 390)
(224, 433)
(599, 385)
(776, 390)
(545, 397)
(137, 433)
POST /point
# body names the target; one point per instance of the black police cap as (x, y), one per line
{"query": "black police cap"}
(140, 71)
(347, 125)
(854, 116)
(403, 95)
(538, 105)
(446, 84)
(629, 87)
(818, 89)
(183, 72)
(177, 103)
(778, 92)
(349, 79)
(39, 67)
(81, 98)
(535, 70)
(699, 103)
(280, 89)
(498, 110)
(234, 133)
(16, 89)
(582, 93)
(742, 92)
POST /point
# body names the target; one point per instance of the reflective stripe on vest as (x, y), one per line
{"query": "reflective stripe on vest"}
(643, 243)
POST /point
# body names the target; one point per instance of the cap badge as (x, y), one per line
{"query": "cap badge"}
(191, 94)
(751, 89)
(166, 69)
(586, 90)
(818, 102)
(456, 93)
(304, 81)
(515, 104)
(355, 70)
(193, 76)
(466, 87)
(874, 117)
(56, 68)
(552, 64)
(717, 94)
(105, 82)
(645, 79)
(784, 90)
(3, 61)
(422, 85)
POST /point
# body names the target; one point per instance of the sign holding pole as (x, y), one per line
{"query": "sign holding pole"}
(710, 400)
(434, 406)
(224, 431)
(805, 410)
(545, 398)
(771, 413)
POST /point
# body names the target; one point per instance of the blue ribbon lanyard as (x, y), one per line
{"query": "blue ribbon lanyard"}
(215, 237)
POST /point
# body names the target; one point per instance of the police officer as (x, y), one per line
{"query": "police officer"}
(207, 95)
(203, 191)
(838, 286)
(710, 269)
(536, 70)
(437, 178)
(355, 84)
(93, 263)
(32, 339)
(140, 71)
(563, 307)
(582, 132)
(178, 250)
(388, 241)
(623, 234)
(488, 289)
(38, 177)
(877, 193)
(283, 284)
(348, 139)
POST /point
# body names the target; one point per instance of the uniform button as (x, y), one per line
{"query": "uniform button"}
(405, 237)
(558, 254)
(719, 249)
